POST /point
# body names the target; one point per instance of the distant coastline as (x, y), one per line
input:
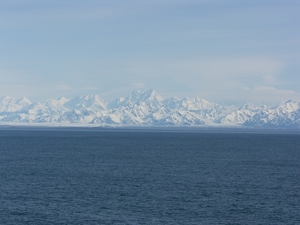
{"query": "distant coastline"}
(184, 129)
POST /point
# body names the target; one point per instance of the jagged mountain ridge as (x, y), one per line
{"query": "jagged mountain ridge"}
(146, 108)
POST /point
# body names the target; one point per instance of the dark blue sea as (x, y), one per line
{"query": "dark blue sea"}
(139, 177)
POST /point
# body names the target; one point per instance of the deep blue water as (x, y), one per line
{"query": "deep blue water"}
(96, 177)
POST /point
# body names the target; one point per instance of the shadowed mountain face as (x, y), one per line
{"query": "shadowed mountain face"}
(146, 108)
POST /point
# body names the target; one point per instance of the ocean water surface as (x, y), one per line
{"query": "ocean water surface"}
(118, 177)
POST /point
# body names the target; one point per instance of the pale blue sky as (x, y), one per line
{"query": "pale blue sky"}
(228, 52)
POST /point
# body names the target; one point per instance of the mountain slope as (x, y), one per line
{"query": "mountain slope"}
(146, 108)
(284, 115)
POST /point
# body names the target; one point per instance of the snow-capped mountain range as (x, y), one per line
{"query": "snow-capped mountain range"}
(146, 108)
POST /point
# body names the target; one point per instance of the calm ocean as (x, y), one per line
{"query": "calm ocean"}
(117, 177)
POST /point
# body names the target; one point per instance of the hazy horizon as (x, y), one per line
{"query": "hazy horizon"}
(42, 101)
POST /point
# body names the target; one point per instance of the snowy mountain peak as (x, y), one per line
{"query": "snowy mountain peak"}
(23, 101)
(196, 104)
(147, 108)
(145, 95)
(62, 100)
(249, 106)
(151, 98)
(115, 103)
(171, 103)
(7, 99)
(90, 102)
(35, 106)
(290, 100)
(152, 95)
(56, 105)
(148, 97)
(11, 104)
(289, 106)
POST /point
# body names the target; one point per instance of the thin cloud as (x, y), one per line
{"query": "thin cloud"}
(179, 48)
(273, 95)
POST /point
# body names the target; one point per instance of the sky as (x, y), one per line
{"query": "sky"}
(228, 52)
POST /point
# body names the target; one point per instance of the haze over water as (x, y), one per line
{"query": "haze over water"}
(118, 177)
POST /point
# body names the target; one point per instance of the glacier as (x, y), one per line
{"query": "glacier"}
(145, 108)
